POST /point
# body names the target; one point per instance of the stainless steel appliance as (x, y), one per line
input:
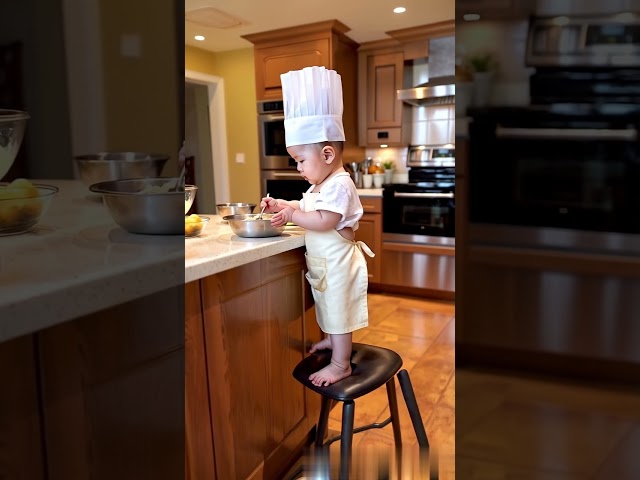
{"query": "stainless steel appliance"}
(554, 199)
(418, 223)
(278, 173)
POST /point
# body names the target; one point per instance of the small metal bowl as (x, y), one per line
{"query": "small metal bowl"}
(158, 213)
(250, 226)
(225, 209)
(189, 196)
(106, 166)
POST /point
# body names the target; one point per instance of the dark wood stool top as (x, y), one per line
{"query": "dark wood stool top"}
(371, 368)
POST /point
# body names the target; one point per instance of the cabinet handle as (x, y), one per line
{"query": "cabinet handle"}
(567, 133)
(422, 195)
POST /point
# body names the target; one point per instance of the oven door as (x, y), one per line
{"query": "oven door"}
(273, 149)
(284, 184)
(570, 178)
(418, 213)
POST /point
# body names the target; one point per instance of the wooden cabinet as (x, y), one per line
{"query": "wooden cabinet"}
(316, 44)
(257, 323)
(382, 71)
(370, 232)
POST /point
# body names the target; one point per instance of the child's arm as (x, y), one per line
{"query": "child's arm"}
(318, 220)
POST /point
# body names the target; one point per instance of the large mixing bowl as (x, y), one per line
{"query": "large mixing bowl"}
(136, 207)
(106, 166)
(12, 127)
(251, 226)
(225, 209)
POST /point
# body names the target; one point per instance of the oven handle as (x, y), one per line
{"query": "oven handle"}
(422, 195)
(287, 175)
(568, 133)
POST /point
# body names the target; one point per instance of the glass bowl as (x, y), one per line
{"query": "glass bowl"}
(194, 228)
(12, 126)
(19, 215)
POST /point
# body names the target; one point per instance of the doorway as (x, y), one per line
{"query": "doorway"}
(206, 138)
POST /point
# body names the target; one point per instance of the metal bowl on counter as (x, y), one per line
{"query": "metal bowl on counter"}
(225, 209)
(106, 166)
(144, 205)
(251, 226)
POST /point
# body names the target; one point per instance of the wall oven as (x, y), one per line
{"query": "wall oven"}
(279, 176)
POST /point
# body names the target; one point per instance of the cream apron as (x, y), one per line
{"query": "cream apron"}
(337, 273)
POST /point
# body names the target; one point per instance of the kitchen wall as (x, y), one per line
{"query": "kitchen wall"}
(38, 25)
(237, 69)
(139, 113)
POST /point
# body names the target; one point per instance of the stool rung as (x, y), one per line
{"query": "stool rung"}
(360, 429)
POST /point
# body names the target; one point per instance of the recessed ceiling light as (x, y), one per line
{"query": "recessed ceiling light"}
(199, 37)
(399, 10)
(471, 17)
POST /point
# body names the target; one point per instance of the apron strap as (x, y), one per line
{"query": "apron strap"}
(364, 248)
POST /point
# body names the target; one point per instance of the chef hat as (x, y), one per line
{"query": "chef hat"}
(312, 106)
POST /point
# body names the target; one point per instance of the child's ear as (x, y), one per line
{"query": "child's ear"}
(328, 154)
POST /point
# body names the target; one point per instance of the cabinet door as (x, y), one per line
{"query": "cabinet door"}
(384, 78)
(271, 62)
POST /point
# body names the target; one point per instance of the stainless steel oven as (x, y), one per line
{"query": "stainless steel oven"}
(273, 149)
(284, 184)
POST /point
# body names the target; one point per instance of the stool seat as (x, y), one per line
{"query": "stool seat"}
(371, 366)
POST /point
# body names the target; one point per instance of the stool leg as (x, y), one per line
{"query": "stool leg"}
(412, 406)
(323, 421)
(346, 440)
(393, 411)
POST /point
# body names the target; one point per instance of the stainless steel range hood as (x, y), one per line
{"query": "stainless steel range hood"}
(433, 78)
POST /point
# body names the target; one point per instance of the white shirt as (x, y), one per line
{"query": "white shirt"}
(339, 195)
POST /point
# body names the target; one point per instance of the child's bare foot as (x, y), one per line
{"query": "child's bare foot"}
(330, 374)
(321, 345)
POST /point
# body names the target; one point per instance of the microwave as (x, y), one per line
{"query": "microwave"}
(273, 149)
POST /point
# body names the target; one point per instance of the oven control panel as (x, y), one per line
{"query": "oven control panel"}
(426, 156)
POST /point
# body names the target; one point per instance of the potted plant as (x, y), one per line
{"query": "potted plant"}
(483, 66)
(388, 166)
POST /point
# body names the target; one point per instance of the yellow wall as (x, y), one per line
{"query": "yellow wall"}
(142, 95)
(237, 69)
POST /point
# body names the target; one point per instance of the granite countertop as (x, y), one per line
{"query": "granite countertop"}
(77, 261)
(218, 249)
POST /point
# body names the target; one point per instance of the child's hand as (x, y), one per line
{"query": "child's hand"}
(282, 217)
(271, 204)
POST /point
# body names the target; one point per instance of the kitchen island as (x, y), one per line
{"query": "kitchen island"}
(100, 338)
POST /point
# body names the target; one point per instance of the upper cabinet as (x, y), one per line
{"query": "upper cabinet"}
(385, 120)
(321, 44)
(496, 9)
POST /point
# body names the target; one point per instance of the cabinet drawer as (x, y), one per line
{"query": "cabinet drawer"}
(371, 204)
(388, 136)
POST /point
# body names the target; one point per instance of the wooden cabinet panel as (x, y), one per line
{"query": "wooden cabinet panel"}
(271, 62)
(20, 435)
(255, 334)
(384, 78)
(370, 232)
(113, 391)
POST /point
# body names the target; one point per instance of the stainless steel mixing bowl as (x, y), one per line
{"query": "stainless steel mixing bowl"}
(251, 227)
(138, 212)
(105, 166)
(225, 209)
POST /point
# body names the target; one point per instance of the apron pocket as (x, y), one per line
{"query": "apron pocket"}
(317, 274)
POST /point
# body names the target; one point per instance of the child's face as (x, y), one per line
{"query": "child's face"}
(311, 162)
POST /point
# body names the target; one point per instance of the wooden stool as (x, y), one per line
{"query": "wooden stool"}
(371, 367)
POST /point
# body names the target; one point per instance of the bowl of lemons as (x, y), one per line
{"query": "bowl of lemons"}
(23, 204)
(194, 224)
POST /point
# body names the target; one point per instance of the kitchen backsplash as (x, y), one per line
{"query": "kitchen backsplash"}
(397, 155)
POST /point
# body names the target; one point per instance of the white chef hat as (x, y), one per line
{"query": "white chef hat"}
(312, 100)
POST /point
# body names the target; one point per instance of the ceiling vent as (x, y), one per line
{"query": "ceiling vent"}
(213, 18)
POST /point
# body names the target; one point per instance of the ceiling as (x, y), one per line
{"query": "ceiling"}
(367, 19)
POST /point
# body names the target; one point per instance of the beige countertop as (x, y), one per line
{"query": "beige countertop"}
(370, 192)
(218, 249)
